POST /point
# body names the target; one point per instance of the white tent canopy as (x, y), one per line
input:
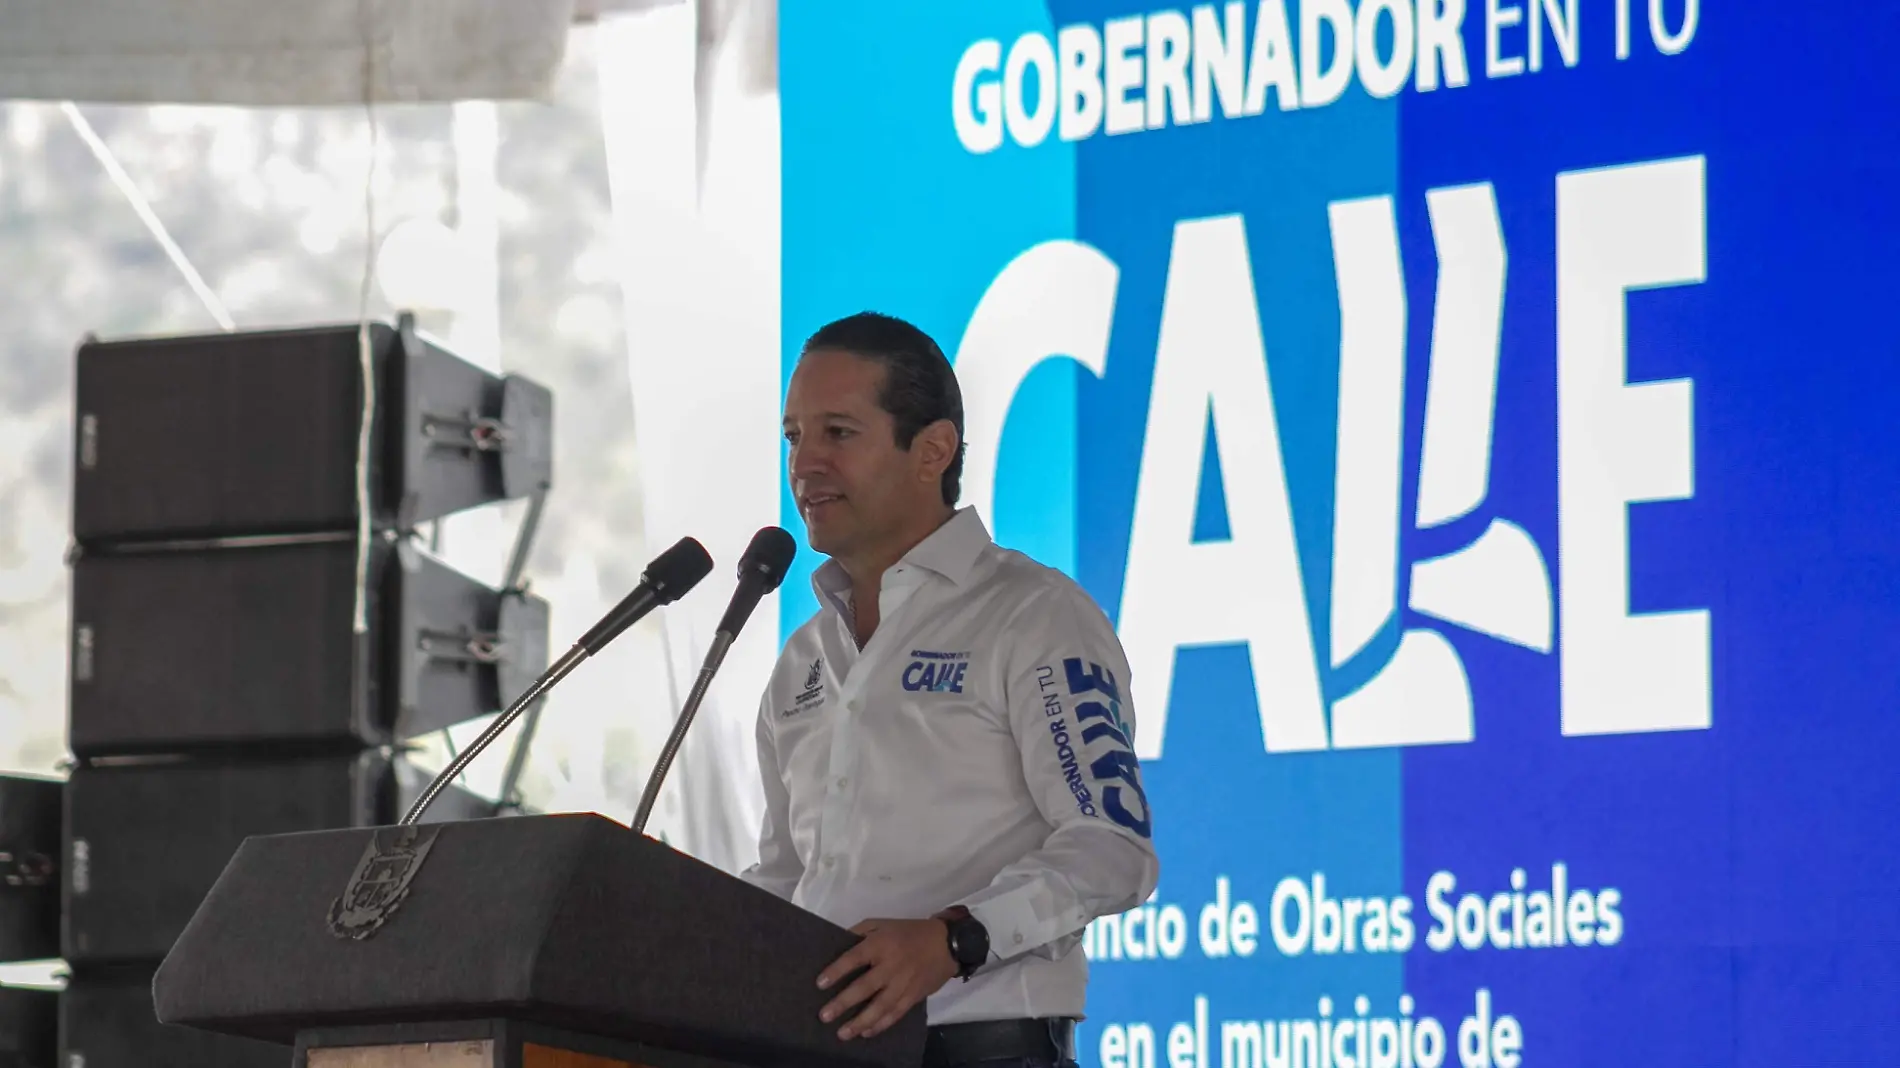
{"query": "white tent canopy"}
(287, 52)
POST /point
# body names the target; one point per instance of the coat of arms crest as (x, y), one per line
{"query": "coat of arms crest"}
(380, 882)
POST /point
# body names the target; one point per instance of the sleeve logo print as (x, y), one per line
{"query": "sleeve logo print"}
(1115, 771)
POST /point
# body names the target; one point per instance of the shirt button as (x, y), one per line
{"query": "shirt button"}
(832, 862)
(843, 782)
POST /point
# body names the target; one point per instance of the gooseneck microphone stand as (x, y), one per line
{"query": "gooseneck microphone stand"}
(761, 569)
(667, 579)
(558, 671)
(722, 641)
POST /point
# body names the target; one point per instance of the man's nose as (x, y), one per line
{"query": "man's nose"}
(807, 459)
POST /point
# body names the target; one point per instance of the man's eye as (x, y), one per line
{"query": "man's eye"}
(839, 432)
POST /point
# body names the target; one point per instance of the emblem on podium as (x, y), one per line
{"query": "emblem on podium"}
(380, 883)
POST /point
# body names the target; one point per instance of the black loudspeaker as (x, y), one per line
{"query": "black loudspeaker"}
(180, 649)
(145, 842)
(106, 1020)
(29, 1027)
(29, 868)
(258, 433)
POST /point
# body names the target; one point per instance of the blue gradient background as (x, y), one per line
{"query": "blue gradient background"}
(1758, 860)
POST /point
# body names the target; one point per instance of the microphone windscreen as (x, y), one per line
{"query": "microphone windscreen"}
(768, 557)
(677, 570)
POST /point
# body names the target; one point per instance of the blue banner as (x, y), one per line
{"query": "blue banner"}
(1479, 420)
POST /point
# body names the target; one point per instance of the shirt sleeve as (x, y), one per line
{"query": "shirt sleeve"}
(778, 868)
(1066, 688)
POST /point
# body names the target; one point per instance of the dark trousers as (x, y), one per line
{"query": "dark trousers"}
(1002, 1044)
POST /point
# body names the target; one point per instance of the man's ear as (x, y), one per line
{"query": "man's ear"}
(934, 446)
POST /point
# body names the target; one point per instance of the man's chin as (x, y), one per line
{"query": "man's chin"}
(823, 537)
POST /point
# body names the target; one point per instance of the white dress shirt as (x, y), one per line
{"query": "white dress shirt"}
(978, 751)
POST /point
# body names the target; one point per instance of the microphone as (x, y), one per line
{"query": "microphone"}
(666, 579)
(761, 570)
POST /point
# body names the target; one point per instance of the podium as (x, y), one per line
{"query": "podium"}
(562, 941)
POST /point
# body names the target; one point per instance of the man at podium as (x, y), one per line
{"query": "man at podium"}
(947, 744)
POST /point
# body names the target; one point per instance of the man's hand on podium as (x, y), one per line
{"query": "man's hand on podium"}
(909, 960)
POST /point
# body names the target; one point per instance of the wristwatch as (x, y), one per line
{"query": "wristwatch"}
(969, 942)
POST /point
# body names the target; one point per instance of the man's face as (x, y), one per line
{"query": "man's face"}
(856, 489)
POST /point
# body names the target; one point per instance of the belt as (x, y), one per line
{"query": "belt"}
(1051, 1040)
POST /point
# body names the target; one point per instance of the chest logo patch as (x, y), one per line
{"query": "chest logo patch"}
(812, 695)
(930, 672)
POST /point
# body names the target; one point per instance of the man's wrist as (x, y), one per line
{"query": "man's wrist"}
(965, 939)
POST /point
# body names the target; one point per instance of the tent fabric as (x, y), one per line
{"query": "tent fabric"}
(278, 53)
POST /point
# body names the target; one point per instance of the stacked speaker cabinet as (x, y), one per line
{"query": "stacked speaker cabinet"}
(257, 629)
(29, 914)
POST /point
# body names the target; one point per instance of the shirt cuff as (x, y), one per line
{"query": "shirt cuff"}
(1010, 919)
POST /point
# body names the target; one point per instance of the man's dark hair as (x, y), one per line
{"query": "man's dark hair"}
(919, 386)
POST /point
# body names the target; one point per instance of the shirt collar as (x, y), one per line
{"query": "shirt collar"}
(950, 551)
